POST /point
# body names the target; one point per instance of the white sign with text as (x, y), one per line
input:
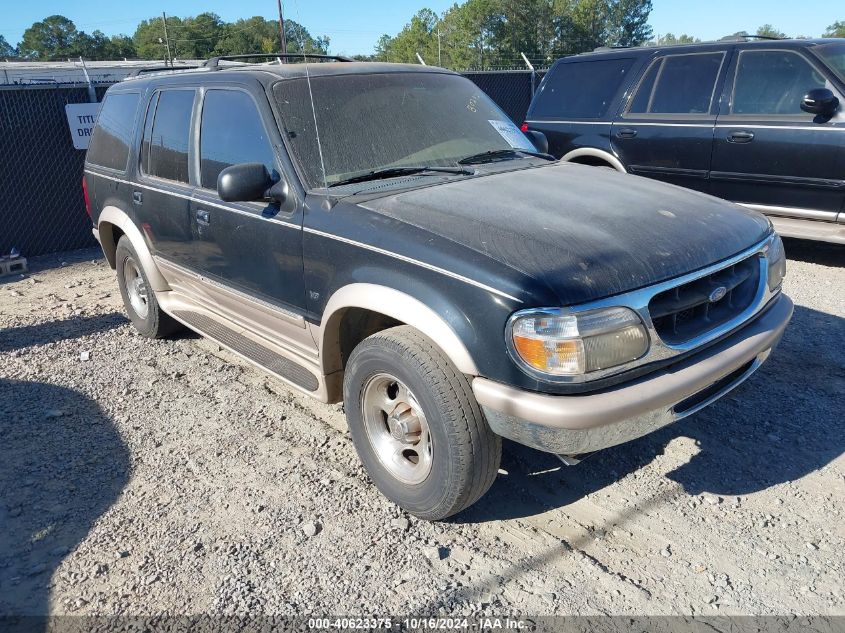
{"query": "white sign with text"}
(80, 119)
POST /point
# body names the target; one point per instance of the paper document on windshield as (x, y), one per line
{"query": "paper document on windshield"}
(512, 135)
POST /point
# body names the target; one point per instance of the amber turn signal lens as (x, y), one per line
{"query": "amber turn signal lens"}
(549, 355)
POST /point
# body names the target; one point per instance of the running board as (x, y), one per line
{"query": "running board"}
(249, 349)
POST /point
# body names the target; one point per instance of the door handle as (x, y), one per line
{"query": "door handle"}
(626, 133)
(137, 197)
(203, 217)
(740, 136)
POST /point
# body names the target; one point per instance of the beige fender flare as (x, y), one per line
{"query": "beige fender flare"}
(609, 158)
(113, 217)
(396, 305)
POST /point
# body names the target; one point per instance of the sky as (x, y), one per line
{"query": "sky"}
(354, 26)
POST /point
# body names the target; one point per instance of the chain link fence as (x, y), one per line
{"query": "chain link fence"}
(510, 89)
(41, 205)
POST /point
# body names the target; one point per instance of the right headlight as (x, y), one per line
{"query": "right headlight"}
(776, 257)
(558, 344)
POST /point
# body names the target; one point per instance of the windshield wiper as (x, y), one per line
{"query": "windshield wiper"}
(505, 154)
(392, 172)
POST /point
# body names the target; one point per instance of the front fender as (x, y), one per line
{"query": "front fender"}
(397, 305)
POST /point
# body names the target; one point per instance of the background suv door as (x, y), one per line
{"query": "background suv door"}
(666, 129)
(249, 247)
(767, 152)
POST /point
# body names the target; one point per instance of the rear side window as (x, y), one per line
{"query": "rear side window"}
(113, 133)
(164, 152)
(679, 84)
(231, 133)
(773, 82)
(581, 90)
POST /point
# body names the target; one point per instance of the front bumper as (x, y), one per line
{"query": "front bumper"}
(573, 425)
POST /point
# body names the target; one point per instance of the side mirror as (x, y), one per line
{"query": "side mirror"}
(246, 182)
(821, 102)
(539, 140)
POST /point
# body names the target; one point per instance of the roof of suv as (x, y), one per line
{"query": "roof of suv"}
(267, 73)
(762, 43)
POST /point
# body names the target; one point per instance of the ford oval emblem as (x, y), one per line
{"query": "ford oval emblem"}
(718, 294)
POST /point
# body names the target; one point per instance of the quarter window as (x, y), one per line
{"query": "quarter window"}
(772, 82)
(164, 152)
(113, 132)
(231, 133)
(679, 84)
(581, 90)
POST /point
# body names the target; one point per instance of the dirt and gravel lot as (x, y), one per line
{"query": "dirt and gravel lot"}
(168, 477)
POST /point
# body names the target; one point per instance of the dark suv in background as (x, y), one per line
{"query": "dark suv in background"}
(759, 123)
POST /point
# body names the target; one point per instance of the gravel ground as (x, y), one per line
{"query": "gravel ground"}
(168, 477)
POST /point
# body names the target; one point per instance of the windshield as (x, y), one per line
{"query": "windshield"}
(834, 55)
(369, 122)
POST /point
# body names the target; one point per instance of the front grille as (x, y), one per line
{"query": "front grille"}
(686, 311)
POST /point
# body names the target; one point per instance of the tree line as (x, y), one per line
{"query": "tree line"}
(837, 29)
(491, 33)
(475, 34)
(57, 38)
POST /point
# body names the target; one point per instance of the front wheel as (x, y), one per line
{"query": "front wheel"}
(416, 425)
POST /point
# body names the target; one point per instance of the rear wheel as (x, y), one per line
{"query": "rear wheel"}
(140, 302)
(416, 425)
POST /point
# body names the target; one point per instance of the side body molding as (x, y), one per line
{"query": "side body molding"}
(595, 153)
(394, 304)
(113, 217)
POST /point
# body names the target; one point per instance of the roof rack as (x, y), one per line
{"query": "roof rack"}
(745, 38)
(214, 62)
(158, 69)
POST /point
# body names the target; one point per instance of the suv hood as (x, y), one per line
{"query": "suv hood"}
(586, 232)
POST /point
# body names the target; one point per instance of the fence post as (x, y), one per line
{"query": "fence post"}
(92, 92)
(533, 72)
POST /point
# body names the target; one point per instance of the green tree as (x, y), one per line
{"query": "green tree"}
(6, 49)
(251, 35)
(767, 30)
(587, 24)
(581, 25)
(485, 33)
(523, 27)
(206, 35)
(121, 47)
(149, 37)
(837, 29)
(670, 40)
(99, 46)
(56, 37)
(628, 22)
(197, 37)
(418, 37)
(299, 40)
(51, 38)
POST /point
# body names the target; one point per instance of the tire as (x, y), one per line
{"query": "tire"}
(146, 315)
(457, 455)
